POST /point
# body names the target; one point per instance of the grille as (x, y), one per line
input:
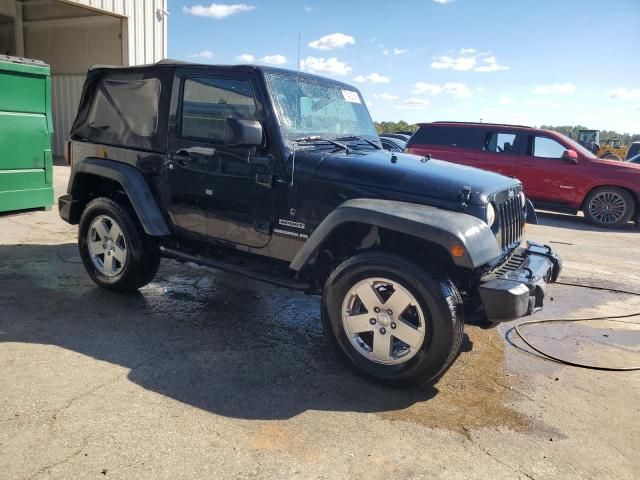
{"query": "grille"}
(511, 218)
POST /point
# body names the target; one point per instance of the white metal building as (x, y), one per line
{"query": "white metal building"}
(72, 35)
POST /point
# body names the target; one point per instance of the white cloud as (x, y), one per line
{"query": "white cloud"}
(331, 66)
(386, 96)
(625, 93)
(372, 78)
(461, 64)
(506, 101)
(443, 2)
(274, 59)
(555, 89)
(400, 51)
(492, 67)
(202, 54)
(246, 57)
(468, 60)
(456, 90)
(217, 10)
(335, 40)
(307, 8)
(414, 104)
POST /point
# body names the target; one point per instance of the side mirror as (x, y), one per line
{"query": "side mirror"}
(243, 133)
(570, 156)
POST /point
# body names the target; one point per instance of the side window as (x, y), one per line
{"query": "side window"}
(499, 142)
(124, 107)
(434, 135)
(545, 147)
(208, 102)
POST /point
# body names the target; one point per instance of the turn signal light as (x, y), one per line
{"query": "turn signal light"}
(457, 250)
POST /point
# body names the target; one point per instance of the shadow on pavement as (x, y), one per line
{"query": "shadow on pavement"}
(575, 222)
(214, 341)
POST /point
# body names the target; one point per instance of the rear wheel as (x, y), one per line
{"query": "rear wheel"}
(115, 251)
(392, 320)
(609, 207)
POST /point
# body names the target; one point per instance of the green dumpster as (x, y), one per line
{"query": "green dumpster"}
(26, 172)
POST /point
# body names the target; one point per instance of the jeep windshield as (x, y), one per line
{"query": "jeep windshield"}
(313, 109)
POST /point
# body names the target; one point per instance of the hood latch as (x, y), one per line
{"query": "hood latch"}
(465, 196)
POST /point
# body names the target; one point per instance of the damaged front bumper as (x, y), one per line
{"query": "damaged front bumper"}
(517, 287)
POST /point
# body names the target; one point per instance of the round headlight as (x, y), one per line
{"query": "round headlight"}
(491, 214)
(523, 200)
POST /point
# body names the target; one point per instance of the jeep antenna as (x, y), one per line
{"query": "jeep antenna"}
(295, 119)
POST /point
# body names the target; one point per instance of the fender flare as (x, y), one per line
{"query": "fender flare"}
(133, 184)
(442, 227)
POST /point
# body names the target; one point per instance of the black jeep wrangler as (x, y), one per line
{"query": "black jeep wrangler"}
(280, 176)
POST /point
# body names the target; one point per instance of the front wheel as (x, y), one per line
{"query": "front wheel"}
(392, 320)
(114, 248)
(609, 207)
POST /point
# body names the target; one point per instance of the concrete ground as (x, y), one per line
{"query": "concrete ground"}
(206, 375)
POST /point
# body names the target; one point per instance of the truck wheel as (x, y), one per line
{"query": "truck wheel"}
(611, 156)
(115, 251)
(393, 321)
(608, 207)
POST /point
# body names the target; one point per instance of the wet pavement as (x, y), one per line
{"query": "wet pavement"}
(204, 374)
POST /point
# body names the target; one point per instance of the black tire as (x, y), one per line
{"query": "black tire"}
(143, 252)
(622, 194)
(611, 156)
(438, 298)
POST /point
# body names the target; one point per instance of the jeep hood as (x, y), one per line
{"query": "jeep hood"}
(411, 174)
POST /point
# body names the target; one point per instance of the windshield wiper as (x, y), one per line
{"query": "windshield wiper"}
(357, 137)
(316, 138)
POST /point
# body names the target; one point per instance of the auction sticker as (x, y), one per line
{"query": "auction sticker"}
(351, 96)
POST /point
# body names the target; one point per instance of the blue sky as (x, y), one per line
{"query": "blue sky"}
(531, 62)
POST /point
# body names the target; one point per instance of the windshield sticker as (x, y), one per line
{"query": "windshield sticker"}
(351, 96)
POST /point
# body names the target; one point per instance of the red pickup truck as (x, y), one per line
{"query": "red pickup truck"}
(557, 173)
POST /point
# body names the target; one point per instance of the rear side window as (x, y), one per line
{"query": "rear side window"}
(434, 135)
(125, 108)
(544, 147)
(126, 105)
(499, 142)
(208, 102)
(446, 135)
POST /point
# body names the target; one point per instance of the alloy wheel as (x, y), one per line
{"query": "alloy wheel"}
(607, 207)
(107, 246)
(383, 320)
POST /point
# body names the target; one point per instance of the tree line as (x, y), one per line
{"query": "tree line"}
(570, 131)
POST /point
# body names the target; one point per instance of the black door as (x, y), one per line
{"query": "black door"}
(215, 190)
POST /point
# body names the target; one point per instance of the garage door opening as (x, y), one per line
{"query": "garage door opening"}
(70, 38)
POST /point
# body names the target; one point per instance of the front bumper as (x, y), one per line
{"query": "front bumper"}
(69, 209)
(517, 287)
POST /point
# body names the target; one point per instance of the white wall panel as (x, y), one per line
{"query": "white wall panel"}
(146, 26)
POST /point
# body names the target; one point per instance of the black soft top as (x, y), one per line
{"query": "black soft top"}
(128, 106)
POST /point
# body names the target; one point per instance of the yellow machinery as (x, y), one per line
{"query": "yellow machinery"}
(611, 148)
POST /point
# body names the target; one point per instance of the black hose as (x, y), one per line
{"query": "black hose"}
(614, 318)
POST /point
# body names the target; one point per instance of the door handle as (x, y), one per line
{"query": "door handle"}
(182, 157)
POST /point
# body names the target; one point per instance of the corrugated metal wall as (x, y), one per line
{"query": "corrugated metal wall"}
(145, 31)
(66, 91)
